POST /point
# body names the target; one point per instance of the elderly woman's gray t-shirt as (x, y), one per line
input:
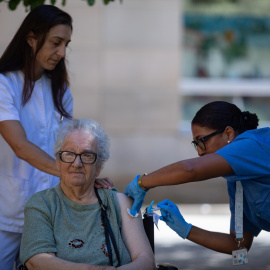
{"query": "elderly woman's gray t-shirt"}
(74, 232)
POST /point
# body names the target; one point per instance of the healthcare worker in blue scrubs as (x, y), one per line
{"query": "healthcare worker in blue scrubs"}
(229, 145)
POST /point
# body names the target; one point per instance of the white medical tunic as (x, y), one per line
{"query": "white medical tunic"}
(40, 120)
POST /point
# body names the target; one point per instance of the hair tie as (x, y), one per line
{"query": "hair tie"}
(243, 118)
(245, 115)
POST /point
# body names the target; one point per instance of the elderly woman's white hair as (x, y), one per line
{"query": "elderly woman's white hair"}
(87, 126)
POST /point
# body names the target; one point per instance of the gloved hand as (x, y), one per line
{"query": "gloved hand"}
(173, 218)
(135, 192)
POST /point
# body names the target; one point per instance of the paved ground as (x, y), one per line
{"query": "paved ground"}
(187, 256)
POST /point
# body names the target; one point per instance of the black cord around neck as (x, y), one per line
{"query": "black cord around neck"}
(108, 231)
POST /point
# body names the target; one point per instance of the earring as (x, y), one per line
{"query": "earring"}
(229, 141)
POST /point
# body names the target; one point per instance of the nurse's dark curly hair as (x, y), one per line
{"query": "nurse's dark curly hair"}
(220, 114)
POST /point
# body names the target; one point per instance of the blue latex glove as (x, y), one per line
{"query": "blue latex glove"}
(135, 192)
(173, 218)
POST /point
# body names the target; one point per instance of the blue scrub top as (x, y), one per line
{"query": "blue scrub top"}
(249, 156)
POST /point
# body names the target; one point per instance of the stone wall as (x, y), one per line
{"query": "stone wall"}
(124, 70)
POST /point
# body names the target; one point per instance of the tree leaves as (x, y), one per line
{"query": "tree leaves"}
(12, 4)
(91, 2)
(31, 4)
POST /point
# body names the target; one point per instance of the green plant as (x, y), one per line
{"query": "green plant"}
(30, 4)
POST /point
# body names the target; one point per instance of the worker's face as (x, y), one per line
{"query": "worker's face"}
(52, 50)
(212, 144)
(78, 174)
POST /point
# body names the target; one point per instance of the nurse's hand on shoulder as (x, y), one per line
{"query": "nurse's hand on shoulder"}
(171, 215)
(103, 183)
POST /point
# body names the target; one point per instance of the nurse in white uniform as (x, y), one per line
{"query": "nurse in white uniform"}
(35, 100)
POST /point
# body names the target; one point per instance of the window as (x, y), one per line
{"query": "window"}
(225, 56)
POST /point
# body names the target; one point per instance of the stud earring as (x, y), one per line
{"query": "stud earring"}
(229, 141)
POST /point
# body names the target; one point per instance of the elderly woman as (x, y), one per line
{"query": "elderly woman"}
(65, 226)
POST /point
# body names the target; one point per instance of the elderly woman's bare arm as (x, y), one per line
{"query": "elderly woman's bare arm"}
(48, 261)
(135, 239)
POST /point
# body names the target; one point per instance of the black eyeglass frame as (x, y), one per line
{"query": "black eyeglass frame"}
(200, 142)
(80, 155)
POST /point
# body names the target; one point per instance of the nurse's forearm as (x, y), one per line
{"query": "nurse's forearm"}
(221, 242)
(14, 134)
(38, 158)
(176, 173)
(190, 170)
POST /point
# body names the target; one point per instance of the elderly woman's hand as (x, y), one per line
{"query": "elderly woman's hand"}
(103, 183)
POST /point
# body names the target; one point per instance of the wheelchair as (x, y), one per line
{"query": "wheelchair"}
(148, 224)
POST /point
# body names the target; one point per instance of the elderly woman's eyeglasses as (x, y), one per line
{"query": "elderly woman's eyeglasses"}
(200, 142)
(86, 158)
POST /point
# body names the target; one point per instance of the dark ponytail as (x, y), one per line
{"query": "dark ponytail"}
(248, 121)
(220, 114)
